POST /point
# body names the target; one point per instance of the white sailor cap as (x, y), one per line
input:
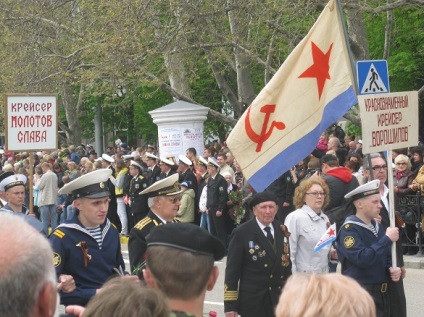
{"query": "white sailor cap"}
(212, 162)
(127, 157)
(108, 158)
(166, 161)
(90, 185)
(365, 190)
(165, 187)
(184, 159)
(136, 165)
(150, 156)
(202, 161)
(9, 180)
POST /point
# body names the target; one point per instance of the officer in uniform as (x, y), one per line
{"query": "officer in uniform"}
(364, 247)
(138, 202)
(258, 261)
(216, 201)
(154, 169)
(164, 201)
(87, 247)
(112, 212)
(13, 190)
(185, 281)
(166, 168)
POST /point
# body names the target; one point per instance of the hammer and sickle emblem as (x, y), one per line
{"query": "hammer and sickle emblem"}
(261, 138)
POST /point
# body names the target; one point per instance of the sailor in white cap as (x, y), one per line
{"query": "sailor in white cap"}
(87, 247)
(154, 169)
(187, 175)
(164, 201)
(138, 203)
(216, 200)
(12, 187)
(364, 246)
(166, 167)
(112, 212)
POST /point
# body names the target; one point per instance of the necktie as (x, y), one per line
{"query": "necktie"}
(269, 235)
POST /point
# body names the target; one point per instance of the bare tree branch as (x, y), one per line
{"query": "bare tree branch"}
(387, 7)
(214, 114)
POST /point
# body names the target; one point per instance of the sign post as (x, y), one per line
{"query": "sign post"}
(389, 121)
(30, 125)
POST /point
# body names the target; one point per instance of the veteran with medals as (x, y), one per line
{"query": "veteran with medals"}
(364, 247)
(258, 262)
(87, 247)
(164, 201)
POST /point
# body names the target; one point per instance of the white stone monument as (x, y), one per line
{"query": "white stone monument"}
(180, 126)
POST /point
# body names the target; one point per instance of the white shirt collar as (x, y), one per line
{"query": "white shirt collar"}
(262, 226)
(385, 198)
(161, 219)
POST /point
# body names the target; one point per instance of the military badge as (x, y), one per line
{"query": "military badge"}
(221, 189)
(349, 242)
(56, 259)
(137, 186)
(254, 258)
(347, 226)
(251, 251)
(102, 185)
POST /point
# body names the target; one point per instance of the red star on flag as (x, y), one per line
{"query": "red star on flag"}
(331, 232)
(319, 69)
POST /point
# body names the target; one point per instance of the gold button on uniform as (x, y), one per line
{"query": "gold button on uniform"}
(266, 265)
(270, 276)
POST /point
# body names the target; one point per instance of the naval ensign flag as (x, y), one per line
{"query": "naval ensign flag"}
(311, 90)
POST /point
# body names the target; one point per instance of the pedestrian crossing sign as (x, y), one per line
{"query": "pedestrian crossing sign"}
(373, 77)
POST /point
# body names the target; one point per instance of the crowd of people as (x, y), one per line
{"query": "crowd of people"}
(85, 203)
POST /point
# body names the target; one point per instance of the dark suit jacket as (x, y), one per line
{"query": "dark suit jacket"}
(217, 193)
(385, 221)
(137, 244)
(255, 274)
(155, 176)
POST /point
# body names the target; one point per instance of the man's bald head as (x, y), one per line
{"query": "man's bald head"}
(27, 275)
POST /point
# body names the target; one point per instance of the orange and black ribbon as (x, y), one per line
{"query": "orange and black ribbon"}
(84, 249)
(286, 247)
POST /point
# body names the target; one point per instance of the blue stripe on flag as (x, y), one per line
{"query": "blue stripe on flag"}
(317, 248)
(296, 152)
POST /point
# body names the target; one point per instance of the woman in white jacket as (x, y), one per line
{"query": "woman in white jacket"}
(307, 224)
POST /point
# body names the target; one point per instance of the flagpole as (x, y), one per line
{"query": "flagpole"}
(346, 38)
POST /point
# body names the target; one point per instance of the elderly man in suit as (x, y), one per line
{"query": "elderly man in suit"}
(258, 262)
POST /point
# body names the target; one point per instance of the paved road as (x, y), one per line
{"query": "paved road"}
(414, 286)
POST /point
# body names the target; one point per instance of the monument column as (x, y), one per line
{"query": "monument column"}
(180, 126)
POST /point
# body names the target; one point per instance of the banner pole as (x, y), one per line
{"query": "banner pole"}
(346, 39)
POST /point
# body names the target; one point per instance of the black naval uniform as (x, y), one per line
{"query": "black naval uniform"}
(217, 200)
(165, 175)
(256, 270)
(139, 207)
(155, 176)
(364, 253)
(137, 244)
(112, 212)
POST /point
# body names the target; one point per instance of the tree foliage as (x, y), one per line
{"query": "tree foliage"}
(216, 53)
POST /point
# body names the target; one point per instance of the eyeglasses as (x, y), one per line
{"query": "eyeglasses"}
(175, 199)
(379, 167)
(400, 163)
(317, 194)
